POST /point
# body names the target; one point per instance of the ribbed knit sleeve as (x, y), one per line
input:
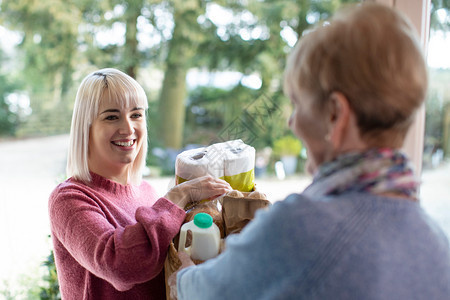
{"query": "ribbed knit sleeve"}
(104, 231)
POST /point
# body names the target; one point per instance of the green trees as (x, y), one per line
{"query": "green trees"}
(9, 115)
(64, 40)
(45, 58)
(186, 35)
(49, 44)
(253, 40)
(440, 19)
(437, 125)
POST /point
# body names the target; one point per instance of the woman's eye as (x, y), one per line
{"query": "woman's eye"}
(110, 118)
(136, 116)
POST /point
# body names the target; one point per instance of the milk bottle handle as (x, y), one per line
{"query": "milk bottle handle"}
(182, 242)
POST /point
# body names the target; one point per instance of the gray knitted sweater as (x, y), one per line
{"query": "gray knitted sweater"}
(355, 246)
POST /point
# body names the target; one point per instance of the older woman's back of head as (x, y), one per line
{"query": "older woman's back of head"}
(371, 54)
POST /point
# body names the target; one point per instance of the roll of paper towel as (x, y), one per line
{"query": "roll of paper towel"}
(233, 161)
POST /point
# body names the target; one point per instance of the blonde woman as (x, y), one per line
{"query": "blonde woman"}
(358, 231)
(110, 230)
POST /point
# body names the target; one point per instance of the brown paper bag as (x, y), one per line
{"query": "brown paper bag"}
(236, 213)
(171, 265)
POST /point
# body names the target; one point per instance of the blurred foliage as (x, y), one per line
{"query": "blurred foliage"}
(252, 42)
(40, 284)
(173, 91)
(216, 115)
(10, 113)
(440, 15)
(61, 41)
(50, 290)
(287, 145)
(49, 29)
(438, 99)
(9, 120)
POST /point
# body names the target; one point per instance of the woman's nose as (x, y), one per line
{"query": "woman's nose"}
(290, 120)
(126, 127)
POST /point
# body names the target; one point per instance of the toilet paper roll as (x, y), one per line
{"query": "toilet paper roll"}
(196, 163)
(233, 161)
(239, 165)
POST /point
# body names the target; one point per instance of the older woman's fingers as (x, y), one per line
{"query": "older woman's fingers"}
(185, 259)
(172, 280)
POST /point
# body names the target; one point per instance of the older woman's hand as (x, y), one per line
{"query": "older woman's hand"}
(194, 190)
(172, 280)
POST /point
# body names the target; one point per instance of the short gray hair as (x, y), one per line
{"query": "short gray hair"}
(370, 53)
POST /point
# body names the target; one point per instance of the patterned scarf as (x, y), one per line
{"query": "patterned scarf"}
(377, 171)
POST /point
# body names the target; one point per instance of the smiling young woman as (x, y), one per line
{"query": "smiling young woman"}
(110, 230)
(117, 136)
(112, 103)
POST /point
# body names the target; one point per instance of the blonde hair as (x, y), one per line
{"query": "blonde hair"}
(371, 54)
(103, 84)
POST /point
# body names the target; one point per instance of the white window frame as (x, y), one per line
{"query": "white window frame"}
(418, 12)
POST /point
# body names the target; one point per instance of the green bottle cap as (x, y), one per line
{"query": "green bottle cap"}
(203, 220)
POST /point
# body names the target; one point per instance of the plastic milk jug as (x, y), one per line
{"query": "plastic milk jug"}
(205, 237)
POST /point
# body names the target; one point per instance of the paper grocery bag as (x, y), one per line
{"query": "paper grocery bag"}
(238, 212)
(171, 265)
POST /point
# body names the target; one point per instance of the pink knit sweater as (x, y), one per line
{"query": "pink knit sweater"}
(110, 240)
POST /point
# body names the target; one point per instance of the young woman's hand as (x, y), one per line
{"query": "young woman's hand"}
(194, 190)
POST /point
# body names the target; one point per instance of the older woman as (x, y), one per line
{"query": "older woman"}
(358, 231)
(110, 230)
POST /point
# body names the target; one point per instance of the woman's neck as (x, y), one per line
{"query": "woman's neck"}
(117, 175)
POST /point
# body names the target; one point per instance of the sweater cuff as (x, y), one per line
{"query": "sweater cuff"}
(165, 204)
(168, 214)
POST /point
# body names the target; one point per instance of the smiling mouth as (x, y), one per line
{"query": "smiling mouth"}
(124, 144)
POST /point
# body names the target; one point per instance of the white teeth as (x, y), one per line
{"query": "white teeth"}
(124, 144)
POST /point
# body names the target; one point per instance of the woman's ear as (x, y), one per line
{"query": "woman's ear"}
(339, 119)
